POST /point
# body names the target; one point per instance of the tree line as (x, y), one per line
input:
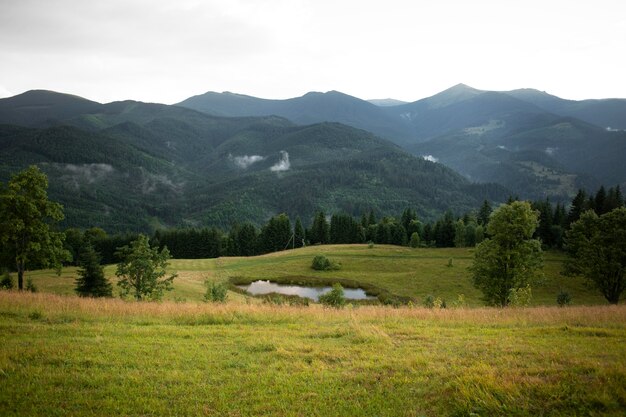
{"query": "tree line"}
(279, 233)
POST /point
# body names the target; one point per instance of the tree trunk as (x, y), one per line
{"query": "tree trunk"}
(20, 276)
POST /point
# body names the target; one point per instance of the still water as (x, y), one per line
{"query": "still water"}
(265, 287)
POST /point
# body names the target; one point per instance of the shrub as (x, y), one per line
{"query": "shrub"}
(216, 292)
(429, 301)
(520, 297)
(322, 263)
(6, 283)
(370, 244)
(30, 286)
(460, 301)
(563, 298)
(415, 240)
(334, 298)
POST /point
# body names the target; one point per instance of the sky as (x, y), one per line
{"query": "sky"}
(165, 51)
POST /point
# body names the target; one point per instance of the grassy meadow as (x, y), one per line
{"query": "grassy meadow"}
(401, 271)
(66, 356)
(61, 355)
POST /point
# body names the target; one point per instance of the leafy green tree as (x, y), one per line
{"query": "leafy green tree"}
(142, 270)
(334, 298)
(216, 292)
(91, 281)
(509, 258)
(596, 247)
(26, 223)
(459, 234)
(415, 240)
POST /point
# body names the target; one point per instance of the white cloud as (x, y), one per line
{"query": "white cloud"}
(430, 158)
(245, 161)
(283, 164)
(551, 151)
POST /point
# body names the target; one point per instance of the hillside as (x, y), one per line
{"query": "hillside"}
(138, 166)
(481, 134)
(313, 107)
(606, 113)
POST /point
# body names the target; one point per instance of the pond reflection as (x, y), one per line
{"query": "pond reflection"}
(266, 287)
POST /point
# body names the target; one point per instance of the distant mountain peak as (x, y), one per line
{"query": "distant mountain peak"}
(452, 95)
(386, 102)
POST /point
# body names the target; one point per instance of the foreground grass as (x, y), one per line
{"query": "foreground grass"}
(401, 271)
(63, 355)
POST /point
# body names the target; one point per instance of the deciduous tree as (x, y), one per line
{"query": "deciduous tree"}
(509, 258)
(27, 219)
(596, 246)
(142, 270)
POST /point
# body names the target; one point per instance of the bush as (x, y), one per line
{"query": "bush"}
(414, 242)
(460, 301)
(6, 283)
(520, 297)
(30, 286)
(322, 263)
(430, 301)
(216, 292)
(334, 298)
(370, 244)
(563, 299)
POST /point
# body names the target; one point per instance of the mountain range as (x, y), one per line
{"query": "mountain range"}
(534, 143)
(141, 166)
(221, 158)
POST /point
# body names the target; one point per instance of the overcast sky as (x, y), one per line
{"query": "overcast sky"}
(166, 51)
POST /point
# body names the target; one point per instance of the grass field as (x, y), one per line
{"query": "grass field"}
(66, 356)
(402, 271)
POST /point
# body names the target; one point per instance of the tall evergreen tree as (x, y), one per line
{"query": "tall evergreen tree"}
(579, 205)
(298, 233)
(247, 237)
(320, 230)
(91, 281)
(276, 234)
(484, 213)
(599, 201)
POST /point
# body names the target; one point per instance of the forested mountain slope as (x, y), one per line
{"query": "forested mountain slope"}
(137, 166)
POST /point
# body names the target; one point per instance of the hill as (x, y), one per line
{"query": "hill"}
(137, 166)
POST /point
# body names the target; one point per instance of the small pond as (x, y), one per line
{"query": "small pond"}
(266, 287)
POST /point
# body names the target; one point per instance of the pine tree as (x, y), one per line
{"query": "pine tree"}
(599, 201)
(579, 205)
(320, 230)
(298, 234)
(91, 281)
(484, 213)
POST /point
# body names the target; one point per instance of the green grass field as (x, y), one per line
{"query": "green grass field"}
(67, 356)
(402, 271)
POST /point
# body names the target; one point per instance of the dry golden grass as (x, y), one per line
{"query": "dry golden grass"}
(54, 306)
